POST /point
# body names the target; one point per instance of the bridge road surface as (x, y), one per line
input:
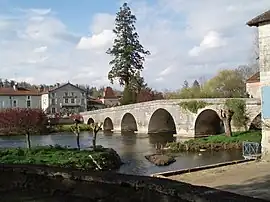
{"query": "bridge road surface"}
(250, 179)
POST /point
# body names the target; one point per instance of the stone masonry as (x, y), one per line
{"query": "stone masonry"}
(168, 116)
(263, 23)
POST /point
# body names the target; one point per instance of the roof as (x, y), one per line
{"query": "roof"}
(19, 92)
(264, 17)
(60, 86)
(254, 78)
(109, 93)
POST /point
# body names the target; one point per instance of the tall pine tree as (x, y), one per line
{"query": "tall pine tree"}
(127, 51)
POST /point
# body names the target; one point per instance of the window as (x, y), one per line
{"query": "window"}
(28, 97)
(66, 100)
(53, 101)
(72, 100)
(53, 110)
(14, 103)
(83, 94)
(66, 94)
(53, 94)
(28, 103)
(82, 101)
(72, 94)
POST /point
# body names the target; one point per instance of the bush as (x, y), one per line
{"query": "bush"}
(193, 106)
(22, 121)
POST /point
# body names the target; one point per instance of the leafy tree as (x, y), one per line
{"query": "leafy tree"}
(227, 83)
(22, 120)
(185, 84)
(147, 94)
(127, 51)
(196, 84)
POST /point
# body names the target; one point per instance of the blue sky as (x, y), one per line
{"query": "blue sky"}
(56, 41)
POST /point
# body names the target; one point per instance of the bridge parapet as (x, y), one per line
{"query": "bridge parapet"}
(216, 101)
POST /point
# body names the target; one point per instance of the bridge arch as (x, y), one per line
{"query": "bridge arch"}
(208, 123)
(128, 123)
(90, 120)
(161, 121)
(256, 122)
(108, 124)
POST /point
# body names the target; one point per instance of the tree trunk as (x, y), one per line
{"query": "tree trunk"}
(94, 140)
(226, 116)
(78, 141)
(28, 142)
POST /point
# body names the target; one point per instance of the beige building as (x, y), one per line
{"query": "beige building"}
(253, 86)
(64, 99)
(17, 97)
(109, 99)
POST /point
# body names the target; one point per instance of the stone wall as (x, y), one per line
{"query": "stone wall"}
(104, 186)
(264, 45)
(164, 115)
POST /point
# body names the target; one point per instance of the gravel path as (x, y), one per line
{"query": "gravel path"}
(251, 179)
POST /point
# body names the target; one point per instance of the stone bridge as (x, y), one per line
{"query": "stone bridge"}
(167, 116)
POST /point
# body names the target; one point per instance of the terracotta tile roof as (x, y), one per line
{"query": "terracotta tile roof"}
(109, 93)
(19, 91)
(254, 78)
(264, 17)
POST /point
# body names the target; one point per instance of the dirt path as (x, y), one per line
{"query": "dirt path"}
(251, 179)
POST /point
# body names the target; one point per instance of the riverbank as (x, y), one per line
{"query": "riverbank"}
(217, 142)
(100, 159)
(251, 178)
(67, 128)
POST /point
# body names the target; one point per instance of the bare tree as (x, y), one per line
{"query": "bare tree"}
(226, 116)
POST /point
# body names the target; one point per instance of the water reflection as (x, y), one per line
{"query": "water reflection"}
(131, 147)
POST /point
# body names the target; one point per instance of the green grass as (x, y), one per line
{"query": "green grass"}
(62, 157)
(217, 142)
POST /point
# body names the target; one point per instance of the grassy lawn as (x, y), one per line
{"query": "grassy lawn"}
(217, 142)
(64, 157)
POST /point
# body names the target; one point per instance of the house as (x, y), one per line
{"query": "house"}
(64, 99)
(17, 97)
(109, 98)
(253, 87)
(263, 23)
(94, 104)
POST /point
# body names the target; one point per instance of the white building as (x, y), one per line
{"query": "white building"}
(19, 98)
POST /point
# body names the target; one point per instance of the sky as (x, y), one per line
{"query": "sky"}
(58, 41)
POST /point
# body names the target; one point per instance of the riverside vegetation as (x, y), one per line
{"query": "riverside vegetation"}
(33, 121)
(216, 142)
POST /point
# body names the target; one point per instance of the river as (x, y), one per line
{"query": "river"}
(131, 147)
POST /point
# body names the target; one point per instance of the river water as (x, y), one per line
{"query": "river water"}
(131, 147)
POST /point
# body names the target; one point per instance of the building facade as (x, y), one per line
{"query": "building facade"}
(253, 86)
(109, 99)
(65, 99)
(19, 98)
(263, 23)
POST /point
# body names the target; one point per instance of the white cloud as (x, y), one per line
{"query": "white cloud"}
(211, 40)
(41, 49)
(39, 45)
(96, 41)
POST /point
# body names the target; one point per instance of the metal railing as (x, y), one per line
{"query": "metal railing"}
(251, 150)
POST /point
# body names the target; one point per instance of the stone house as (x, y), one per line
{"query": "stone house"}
(253, 86)
(18, 97)
(109, 99)
(64, 99)
(262, 22)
